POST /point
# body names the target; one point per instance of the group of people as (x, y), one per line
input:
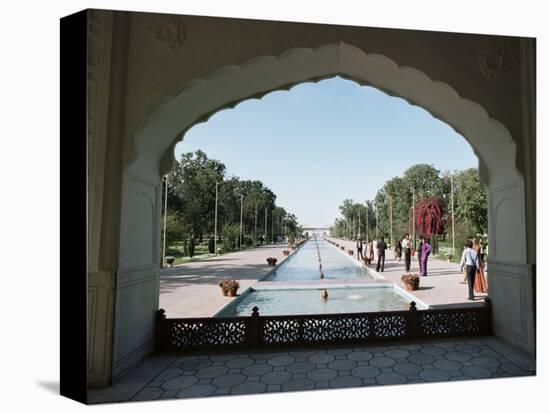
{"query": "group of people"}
(472, 267)
(471, 263)
(375, 251)
(406, 248)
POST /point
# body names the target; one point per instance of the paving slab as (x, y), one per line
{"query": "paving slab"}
(158, 379)
(191, 289)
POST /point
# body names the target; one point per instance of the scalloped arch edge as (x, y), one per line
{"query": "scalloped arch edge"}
(166, 125)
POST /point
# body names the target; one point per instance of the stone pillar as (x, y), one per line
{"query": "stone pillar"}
(510, 276)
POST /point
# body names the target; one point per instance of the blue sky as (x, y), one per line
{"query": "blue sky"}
(319, 144)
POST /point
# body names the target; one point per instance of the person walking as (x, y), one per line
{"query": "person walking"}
(425, 250)
(480, 284)
(418, 245)
(462, 260)
(359, 246)
(406, 248)
(370, 252)
(381, 247)
(397, 250)
(470, 259)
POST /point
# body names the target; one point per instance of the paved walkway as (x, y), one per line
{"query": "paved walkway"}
(218, 374)
(191, 289)
(441, 288)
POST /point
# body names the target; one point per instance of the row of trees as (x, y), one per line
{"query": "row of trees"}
(431, 190)
(191, 205)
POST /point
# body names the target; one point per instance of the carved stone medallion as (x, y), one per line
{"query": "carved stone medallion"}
(167, 33)
(494, 62)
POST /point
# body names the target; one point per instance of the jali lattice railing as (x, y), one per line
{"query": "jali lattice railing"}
(260, 332)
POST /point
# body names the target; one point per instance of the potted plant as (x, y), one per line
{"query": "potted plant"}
(170, 260)
(232, 287)
(271, 261)
(411, 280)
(229, 287)
(449, 256)
(286, 252)
(350, 252)
(342, 248)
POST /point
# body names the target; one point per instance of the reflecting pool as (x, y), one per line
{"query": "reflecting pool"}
(304, 264)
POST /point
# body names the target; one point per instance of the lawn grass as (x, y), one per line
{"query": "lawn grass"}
(201, 252)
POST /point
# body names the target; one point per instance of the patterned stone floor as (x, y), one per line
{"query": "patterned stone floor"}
(252, 373)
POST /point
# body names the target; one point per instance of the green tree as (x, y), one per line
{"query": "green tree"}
(174, 228)
(471, 200)
(230, 235)
(426, 181)
(193, 183)
(191, 200)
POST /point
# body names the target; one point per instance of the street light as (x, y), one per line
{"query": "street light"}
(216, 222)
(413, 226)
(255, 221)
(241, 238)
(391, 222)
(367, 223)
(265, 229)
(452, 213)
(165, 210)
(376, 233)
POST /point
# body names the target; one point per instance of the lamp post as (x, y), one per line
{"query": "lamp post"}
(255, 222)
(165, 211)
(452, 213)
(391, 221)
(376, 232)
(413, 226)
(265, 229)
(216, 222)
(241, 238)
(272, 224)
(367, 223)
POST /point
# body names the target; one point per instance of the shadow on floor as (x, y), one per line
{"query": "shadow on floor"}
(51, 386)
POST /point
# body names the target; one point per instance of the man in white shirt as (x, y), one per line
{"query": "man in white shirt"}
(463, 260)
(470, 259)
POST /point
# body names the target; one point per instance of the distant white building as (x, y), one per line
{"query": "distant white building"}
(322, 231)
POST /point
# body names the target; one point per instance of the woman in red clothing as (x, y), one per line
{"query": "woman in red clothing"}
(480, 284)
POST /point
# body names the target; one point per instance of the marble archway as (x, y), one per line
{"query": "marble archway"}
(152, 154)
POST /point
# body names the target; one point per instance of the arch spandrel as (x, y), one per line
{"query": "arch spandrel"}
(199, 99)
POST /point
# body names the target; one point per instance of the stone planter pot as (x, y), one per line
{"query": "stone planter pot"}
(225, 292)
(342, 248)
(410, 286)
(286, 252)
(350, 252)
(232, 291)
